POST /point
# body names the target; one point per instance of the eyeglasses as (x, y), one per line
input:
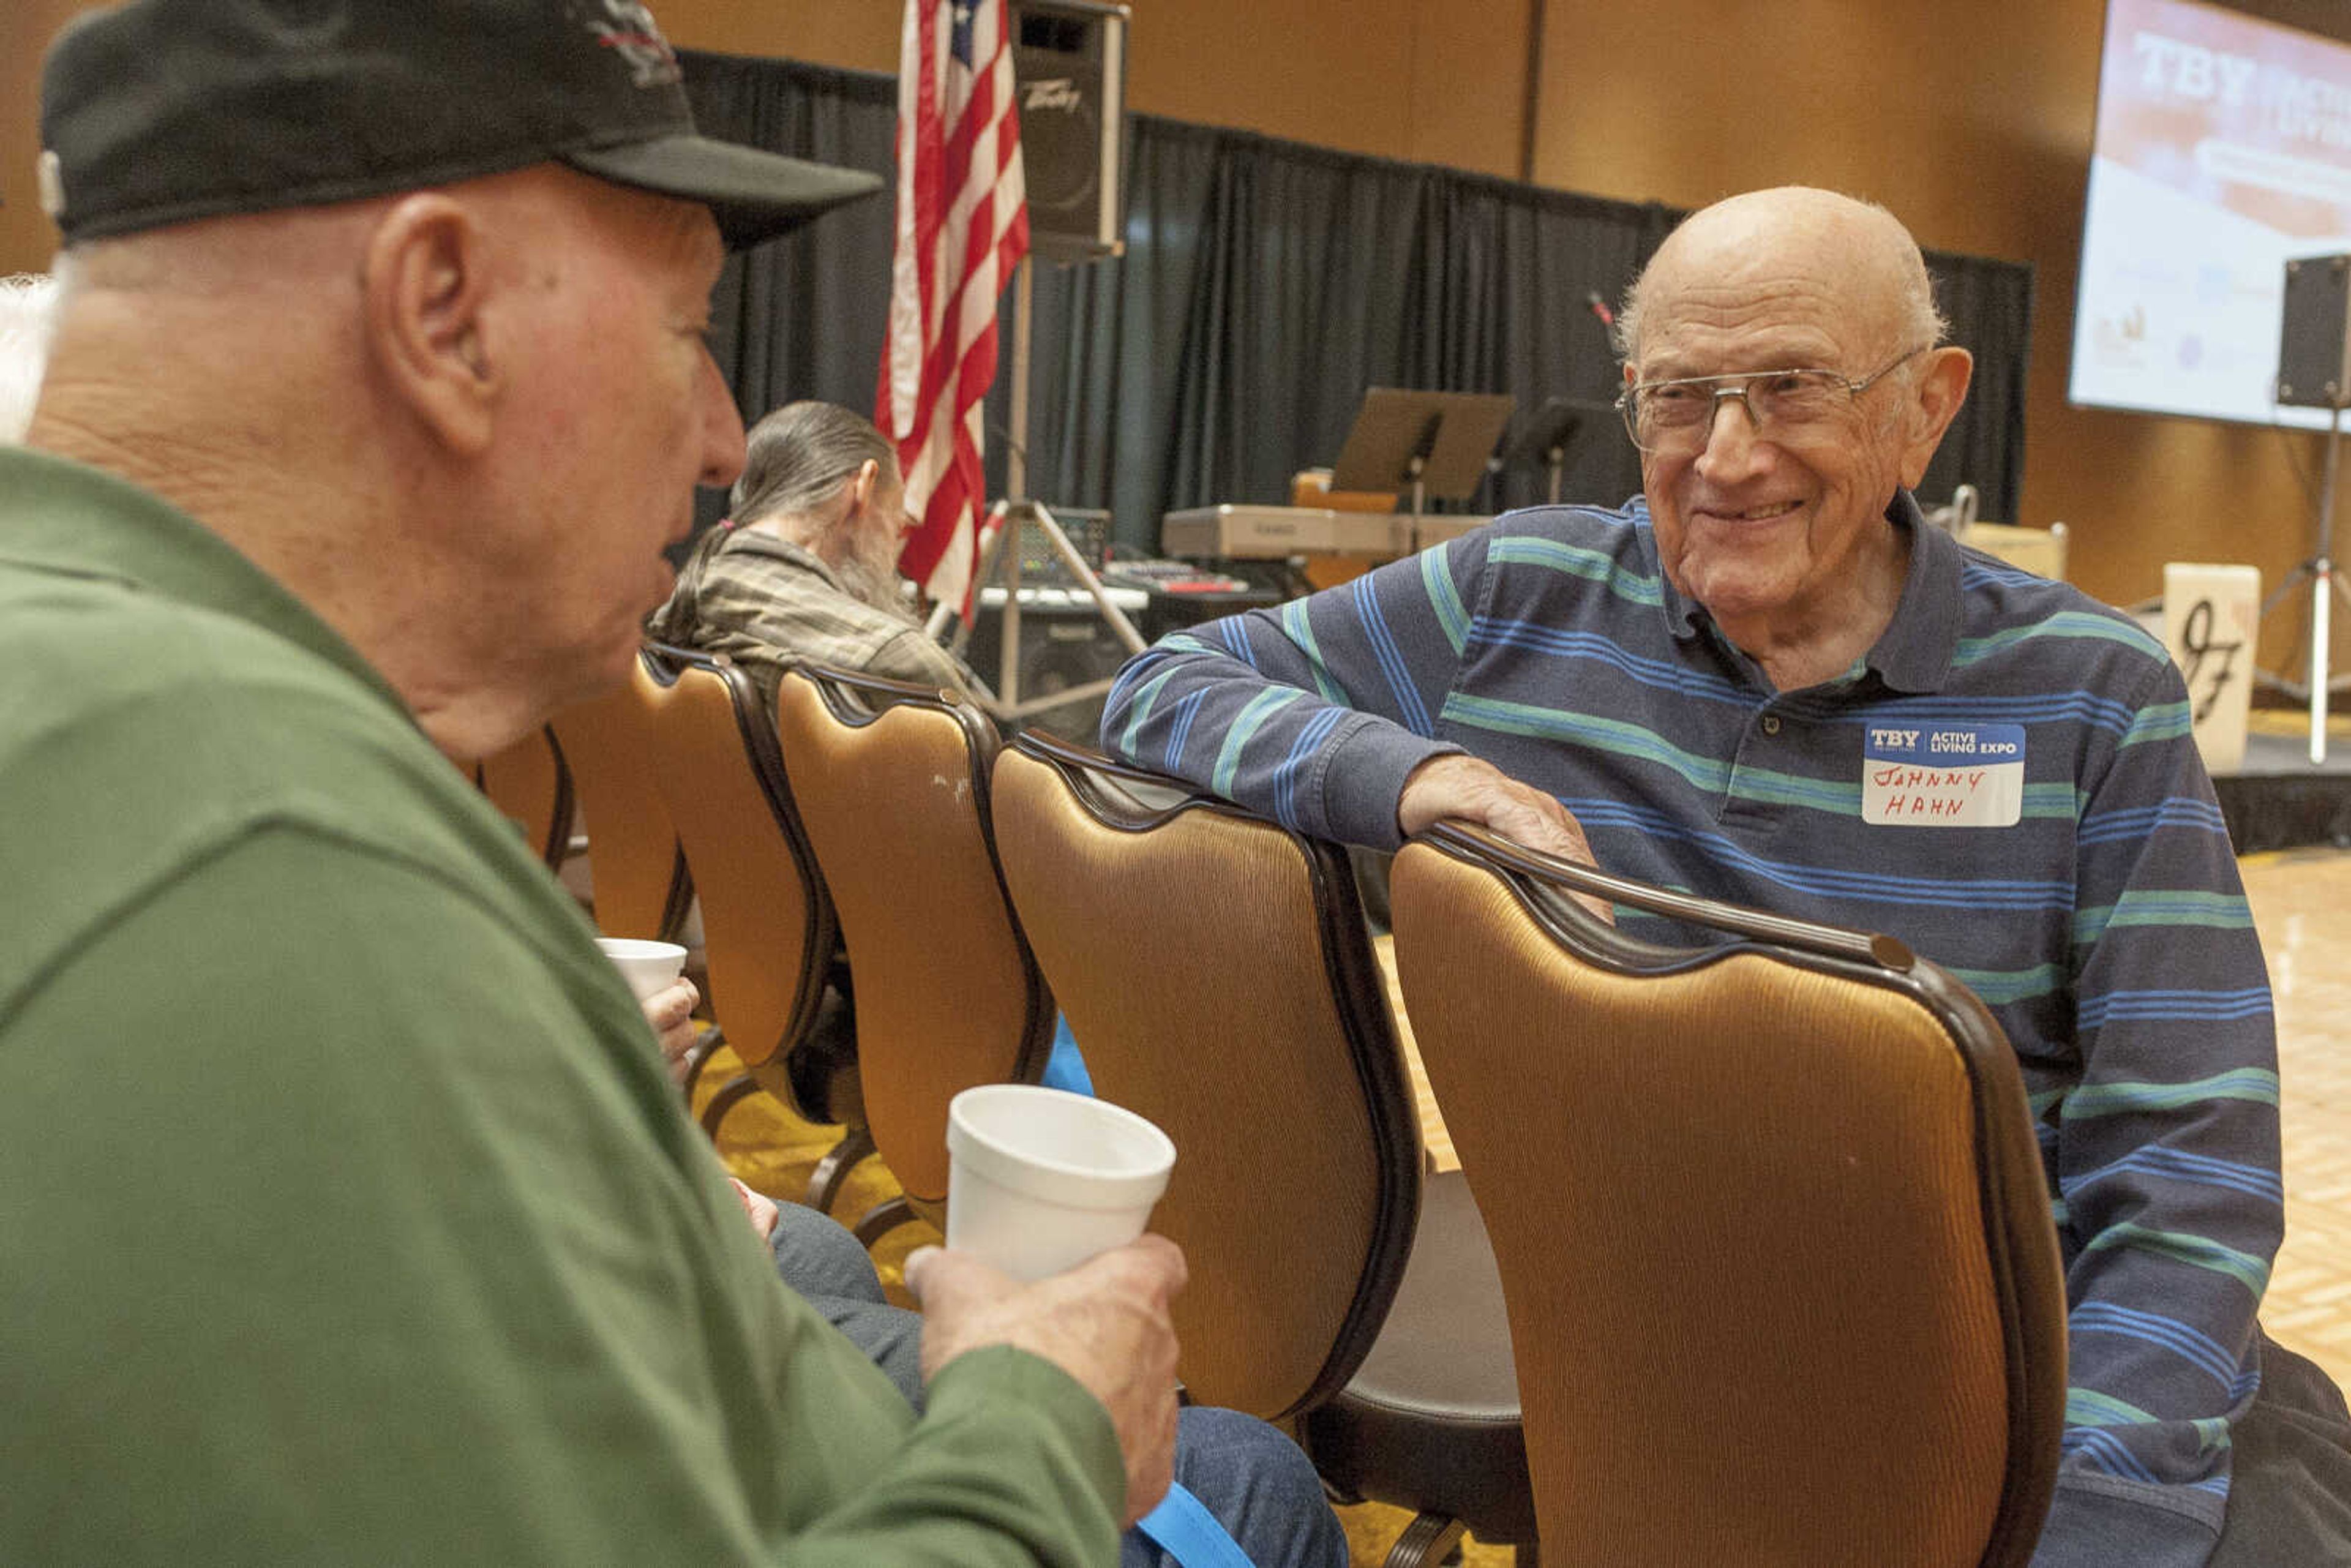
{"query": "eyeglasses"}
(1678, 416)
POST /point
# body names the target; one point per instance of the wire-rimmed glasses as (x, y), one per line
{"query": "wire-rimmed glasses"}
(1676, 416)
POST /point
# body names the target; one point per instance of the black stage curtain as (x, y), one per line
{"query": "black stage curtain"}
(1265, 284)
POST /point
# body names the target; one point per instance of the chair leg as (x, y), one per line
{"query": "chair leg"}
(731, 1093)
(1429, 1539)
(825, 1181)
(882, 1218)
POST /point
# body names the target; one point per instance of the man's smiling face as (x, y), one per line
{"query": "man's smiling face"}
(1773, 528)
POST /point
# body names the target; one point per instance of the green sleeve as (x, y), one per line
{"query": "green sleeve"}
(348, 1220)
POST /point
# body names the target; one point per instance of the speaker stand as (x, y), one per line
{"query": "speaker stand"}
(1001, 564)
(2326, 584)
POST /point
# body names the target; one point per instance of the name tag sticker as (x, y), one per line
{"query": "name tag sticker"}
(1943, 776)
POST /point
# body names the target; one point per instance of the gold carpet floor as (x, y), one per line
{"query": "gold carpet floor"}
(2302, 906)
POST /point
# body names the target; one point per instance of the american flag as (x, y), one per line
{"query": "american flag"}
(963, 225)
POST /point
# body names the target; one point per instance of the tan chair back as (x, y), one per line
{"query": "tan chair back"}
(637, 876)
(891, 781)
(1782, 1279)
(530, 784)
(1216, 972)
(767, 926)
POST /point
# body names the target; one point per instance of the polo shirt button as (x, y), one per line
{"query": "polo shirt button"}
(1770, 723)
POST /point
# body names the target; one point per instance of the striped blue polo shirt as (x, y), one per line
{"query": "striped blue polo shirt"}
(2006, 782)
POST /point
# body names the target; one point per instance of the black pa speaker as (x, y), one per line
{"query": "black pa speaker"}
(1069, 60)
(1062, 645)
(2314, 333)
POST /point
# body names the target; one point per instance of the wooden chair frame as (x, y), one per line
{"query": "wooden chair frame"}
(816, 967)
(2018, 1239)
(583, 760)
(1355, 986)
(856, 701)
(1395, 1406)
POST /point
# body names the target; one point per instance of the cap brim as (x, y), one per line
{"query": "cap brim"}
(755, 195)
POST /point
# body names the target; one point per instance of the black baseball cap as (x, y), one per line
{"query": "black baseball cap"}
(161, 111)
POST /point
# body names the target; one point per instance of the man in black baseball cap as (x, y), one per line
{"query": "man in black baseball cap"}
(167, 110)
(378, 388)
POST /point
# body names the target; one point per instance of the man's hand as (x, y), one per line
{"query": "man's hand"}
(1103, 1323)
(1477, 791)
(759, 1208)
(669, 1011)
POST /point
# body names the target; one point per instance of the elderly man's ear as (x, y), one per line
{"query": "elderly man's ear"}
(1934, 402)
(427, 289)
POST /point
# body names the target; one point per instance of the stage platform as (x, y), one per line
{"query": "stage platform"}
(2279, 800)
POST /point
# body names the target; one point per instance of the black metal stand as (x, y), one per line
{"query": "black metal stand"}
(2325, 585)
(1543, 437)
(999, 552)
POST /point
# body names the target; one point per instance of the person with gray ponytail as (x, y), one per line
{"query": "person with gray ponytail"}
(806, 565)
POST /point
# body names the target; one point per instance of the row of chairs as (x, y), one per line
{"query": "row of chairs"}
(1759, 1267)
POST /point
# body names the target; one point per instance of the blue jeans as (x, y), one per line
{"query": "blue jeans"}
(1253, 1479)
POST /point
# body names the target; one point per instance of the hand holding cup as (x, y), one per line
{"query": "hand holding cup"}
(653, 970)
(1047, 1193)
(1104, 1322)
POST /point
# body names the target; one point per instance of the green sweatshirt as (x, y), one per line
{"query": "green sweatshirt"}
(348, 1215)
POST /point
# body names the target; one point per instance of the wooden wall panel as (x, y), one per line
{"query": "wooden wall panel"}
(862, 35)
(1468, 84)
(1437, 81)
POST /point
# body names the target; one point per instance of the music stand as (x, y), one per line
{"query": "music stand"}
(1544, 434)
(1435, 442)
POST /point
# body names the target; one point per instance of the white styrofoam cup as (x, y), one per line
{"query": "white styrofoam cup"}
(648, 966)
(1038, 1180)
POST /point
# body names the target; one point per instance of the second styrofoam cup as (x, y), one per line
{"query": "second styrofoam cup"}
(1038, 1180)
(648, 966)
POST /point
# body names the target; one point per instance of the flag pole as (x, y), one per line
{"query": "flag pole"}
(966, 46)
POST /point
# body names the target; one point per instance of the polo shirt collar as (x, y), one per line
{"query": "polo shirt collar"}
(67, 517)
(1914, 652)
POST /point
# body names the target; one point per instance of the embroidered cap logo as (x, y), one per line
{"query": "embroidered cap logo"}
(632, 32)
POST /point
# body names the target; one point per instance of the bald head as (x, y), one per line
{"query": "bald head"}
(1813, 239)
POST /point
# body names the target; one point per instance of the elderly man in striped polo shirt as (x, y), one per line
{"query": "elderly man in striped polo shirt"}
(1721, 687)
